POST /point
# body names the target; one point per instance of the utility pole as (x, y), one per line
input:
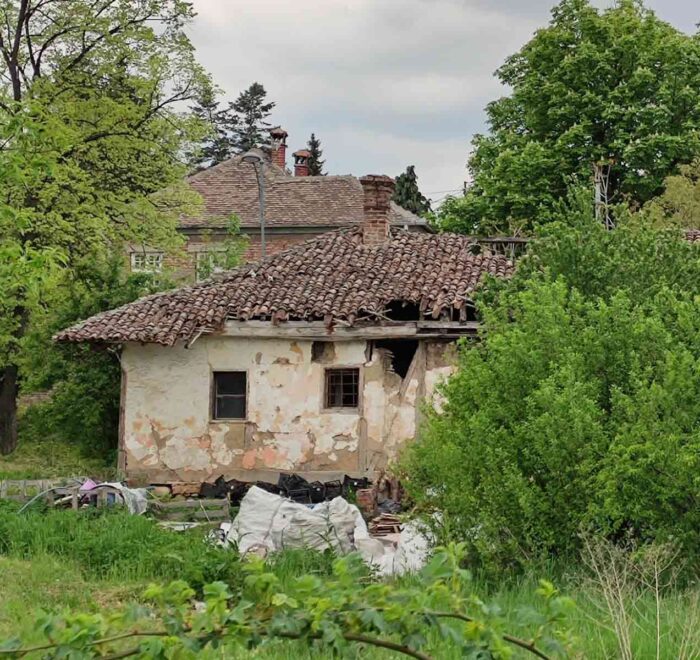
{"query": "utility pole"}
(254, 158)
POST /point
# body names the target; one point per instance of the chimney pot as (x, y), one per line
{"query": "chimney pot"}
(378, 190)
(301, 162)
(279, 146)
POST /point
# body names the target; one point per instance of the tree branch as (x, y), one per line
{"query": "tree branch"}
(350, 637)
(528, 646)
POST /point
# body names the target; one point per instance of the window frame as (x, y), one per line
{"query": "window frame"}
(214, 396)
(146, 254)
(327, 371)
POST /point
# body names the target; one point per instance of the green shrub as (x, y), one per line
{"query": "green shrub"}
(113, 544)
(580, 406)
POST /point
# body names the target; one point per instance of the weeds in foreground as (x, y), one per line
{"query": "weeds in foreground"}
(336, 613)
(111, 544)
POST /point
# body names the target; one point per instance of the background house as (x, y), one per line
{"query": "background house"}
(312, 360)
(297, 207)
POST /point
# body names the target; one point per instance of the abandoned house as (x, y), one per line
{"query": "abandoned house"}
(314, 360)
(296, 207)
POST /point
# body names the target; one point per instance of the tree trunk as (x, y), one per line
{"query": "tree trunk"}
(8, 409)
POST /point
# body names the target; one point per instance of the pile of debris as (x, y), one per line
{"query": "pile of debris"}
(268, 522)
(291, 486)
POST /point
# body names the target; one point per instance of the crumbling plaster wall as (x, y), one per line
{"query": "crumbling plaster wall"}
(168, 433)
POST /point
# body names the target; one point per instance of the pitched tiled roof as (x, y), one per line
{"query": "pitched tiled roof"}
(310, 201)
(692, 235)
(332, 277)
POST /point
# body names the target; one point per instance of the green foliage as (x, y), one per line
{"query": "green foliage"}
(335, 614)
(617, 87)
(679, 204)
(408, 195)
(91, 142)
(228, 252)
(219, 143)
(579, 407)
(315, 162)
(251, 112)
(114, 544)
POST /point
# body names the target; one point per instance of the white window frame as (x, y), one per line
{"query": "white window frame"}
(151, 262)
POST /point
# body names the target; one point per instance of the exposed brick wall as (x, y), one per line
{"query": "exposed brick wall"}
(378, 191)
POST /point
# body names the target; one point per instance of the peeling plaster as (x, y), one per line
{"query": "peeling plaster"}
(168, 432)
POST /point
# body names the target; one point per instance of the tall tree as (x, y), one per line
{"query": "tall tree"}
(315, 162)
(251, 111)
(407, 193)
(89, 135)
(617, 87)
(219, 143)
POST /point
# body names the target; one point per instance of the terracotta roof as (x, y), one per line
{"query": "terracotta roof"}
(309, 201)
(692, 235)
(332, 277)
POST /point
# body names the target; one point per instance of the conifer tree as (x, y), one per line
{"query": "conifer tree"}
(315, 162)
(250, 112)
(408, 195)
(220, 143)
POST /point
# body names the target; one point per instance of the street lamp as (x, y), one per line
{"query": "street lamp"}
(257, 160)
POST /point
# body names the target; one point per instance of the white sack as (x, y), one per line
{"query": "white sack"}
(268, 523)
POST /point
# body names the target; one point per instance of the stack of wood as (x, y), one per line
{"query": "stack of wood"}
(385, 523)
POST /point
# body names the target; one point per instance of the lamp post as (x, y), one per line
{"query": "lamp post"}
(253, 157)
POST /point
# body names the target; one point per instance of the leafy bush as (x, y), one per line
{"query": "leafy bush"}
(439, 612)
(114, 544)
(580, 406)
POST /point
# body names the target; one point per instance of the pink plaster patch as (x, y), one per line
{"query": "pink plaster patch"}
(248, 460)
(270, 456)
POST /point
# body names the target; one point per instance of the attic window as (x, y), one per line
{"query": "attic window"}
(230, 393)
(342, 388)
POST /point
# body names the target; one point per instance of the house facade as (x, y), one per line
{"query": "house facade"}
(297, 207)
(314, 360)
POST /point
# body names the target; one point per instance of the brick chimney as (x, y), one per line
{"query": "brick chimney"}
(378, 190)
(301, 162)
(278, 143)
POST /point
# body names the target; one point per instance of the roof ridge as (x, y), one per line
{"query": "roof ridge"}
(238, 159)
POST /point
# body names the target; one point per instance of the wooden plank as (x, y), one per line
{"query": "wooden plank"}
(317, 331)
(211, 515)
(193, 504)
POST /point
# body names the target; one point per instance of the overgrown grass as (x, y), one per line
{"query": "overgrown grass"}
(113, 545)
(47, 459)
(90, 560)
(44, 583)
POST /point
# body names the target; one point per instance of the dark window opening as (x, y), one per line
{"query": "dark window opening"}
(342, 388)
(322, 351)
(399, 310)
(402, 352)
(229, 395)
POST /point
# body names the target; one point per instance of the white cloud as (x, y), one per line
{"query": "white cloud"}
(383, 83)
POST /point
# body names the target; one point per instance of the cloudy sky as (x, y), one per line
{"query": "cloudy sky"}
(383, 83)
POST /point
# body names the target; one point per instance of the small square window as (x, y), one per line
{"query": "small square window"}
(229, 395)
(146, 262)
(342, 388)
